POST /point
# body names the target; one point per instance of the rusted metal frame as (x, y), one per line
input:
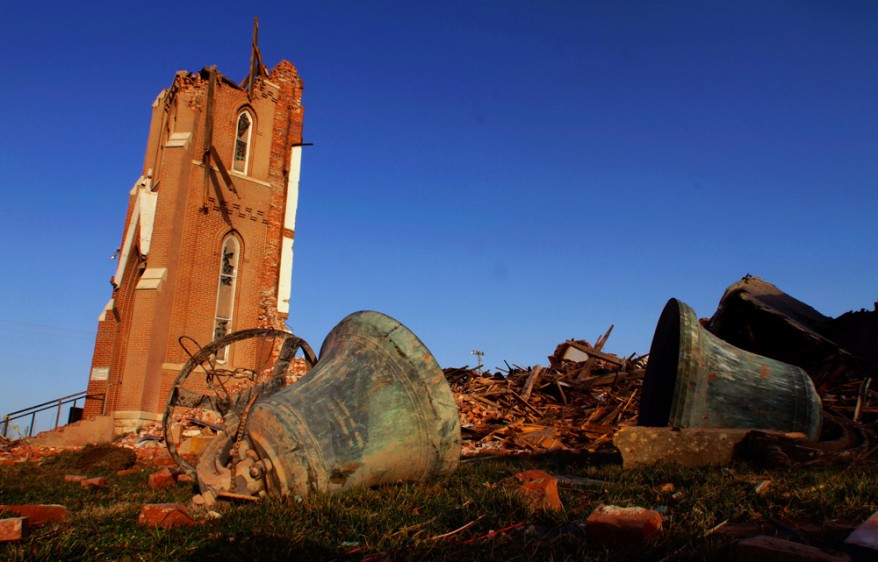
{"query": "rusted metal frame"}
(209, 375)
(233, 406)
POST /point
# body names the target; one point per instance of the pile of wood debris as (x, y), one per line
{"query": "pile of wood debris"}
(575, 404)
(585, 394)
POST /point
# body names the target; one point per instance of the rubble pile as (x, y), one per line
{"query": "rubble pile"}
(586, 394)
(575, 404)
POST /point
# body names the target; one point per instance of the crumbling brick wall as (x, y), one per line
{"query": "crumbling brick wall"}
(138, 339)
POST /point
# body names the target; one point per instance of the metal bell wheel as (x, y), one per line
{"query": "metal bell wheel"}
(210, 385)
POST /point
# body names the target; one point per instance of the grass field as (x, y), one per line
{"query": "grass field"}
(475, 514)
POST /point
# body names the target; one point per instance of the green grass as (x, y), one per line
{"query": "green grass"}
(401, 522)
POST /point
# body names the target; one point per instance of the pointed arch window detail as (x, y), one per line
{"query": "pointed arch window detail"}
(225, 299)
(243, 133)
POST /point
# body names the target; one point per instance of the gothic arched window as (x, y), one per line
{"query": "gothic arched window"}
(243, 132)
(225, 298)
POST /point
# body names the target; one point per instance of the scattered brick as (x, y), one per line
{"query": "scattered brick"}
(610, 525)
(162, 479)
(772, 549)
(539, 490)
(73, 478)
(98, 483)
(165, 516)
(862, 544)
(13, 529)
(164, 460)
(37, 514)
(184, 478)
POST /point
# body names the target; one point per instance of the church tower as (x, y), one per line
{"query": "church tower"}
(208, 242)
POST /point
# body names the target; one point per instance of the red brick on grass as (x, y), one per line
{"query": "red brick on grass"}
(164, 460)
(164, 478)
(610, 525)
(36, 514)
(98, 483)
(13, 529)
(539, 490)
(165, 516)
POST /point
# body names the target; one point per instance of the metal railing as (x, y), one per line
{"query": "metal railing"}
(34, 410)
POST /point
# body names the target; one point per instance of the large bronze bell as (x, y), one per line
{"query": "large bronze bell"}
(375, 409)
(694, 379)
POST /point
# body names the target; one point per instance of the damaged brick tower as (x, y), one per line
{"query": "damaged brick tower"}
(208, 241)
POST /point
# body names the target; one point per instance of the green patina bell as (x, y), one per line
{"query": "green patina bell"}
(694, 379)
(375, 409)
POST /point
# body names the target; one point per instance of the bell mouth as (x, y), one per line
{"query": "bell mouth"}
(660, 379)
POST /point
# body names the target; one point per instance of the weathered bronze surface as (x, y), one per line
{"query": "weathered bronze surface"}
(694, 379)
(375, 409)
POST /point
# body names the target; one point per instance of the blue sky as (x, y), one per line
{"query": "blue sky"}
(497, 175)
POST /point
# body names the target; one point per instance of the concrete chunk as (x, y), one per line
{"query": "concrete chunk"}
(644, 446)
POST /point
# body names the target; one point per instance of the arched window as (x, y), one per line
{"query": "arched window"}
(243, 132)
(225, 298)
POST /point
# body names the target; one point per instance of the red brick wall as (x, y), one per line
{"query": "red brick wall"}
(140, 342)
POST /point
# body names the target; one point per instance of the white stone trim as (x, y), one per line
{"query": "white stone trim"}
(143, 215)
(109, 306)
(285, 277)
(178, 140)
(153, 278)
(292, 204)
(129, 241)
(148, 200)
